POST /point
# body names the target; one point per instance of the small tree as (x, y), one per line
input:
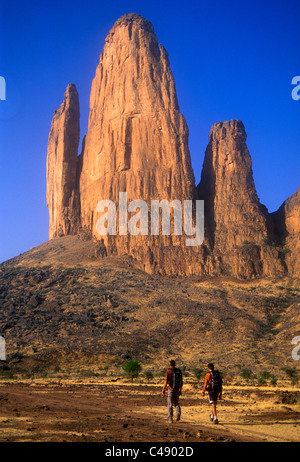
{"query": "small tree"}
(292, 374)
(197, 372)
(149, 374)
(263, 377)
(132, 368)
(246, 373)
(106, 367)
(273, 380)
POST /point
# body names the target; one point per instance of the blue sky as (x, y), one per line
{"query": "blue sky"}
(230, 60)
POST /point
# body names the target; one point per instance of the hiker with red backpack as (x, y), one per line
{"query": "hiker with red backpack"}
(173, 381)
(213, 385)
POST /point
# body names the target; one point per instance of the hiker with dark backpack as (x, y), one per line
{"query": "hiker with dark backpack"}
(173, 381)
(213, 385)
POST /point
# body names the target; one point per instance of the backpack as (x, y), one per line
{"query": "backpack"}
(176, 382)
(216, 380)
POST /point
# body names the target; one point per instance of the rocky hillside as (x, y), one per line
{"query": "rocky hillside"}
(63, 305)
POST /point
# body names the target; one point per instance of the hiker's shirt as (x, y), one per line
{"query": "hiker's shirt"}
(208, 381)
(174, 388)
(212, 394)
(169, 377)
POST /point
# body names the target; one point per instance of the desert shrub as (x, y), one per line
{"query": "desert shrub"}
(265, 375)
(148, 374)
(273, 380)
(88, 373)
(7, 374)
(246, 373)
(105, 368)
(198, 372)
(262, 378)
(132, 368)
(292, 375)
(184, 371)
(290, 398)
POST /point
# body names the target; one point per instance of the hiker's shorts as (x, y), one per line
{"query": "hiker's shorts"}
(213, 397)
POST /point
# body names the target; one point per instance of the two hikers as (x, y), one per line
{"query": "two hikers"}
(173, 380)
(213, 385)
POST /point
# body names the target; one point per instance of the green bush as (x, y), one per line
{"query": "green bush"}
(273, 381)
(197, 372)
(292, 375)
(246, 373)
(265, 375)
(132, 368)
(148, 374)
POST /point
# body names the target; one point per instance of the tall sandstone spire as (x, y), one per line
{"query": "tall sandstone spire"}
(237, 224)
(137, 139)
(233, 210)
(287, 225)
(62, 193)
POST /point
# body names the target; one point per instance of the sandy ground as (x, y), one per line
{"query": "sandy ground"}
(125, 412)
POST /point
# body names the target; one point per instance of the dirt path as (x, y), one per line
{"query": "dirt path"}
(129, 413)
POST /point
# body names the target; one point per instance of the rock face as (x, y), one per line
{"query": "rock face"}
(233, 210)
(62, 190)
(287, 223)
(137, 142)
(237, 225)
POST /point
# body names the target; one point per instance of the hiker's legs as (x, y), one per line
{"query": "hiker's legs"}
(173, 400)
(213, 398)
(214, 409)
(170, 404)
(176, 404)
